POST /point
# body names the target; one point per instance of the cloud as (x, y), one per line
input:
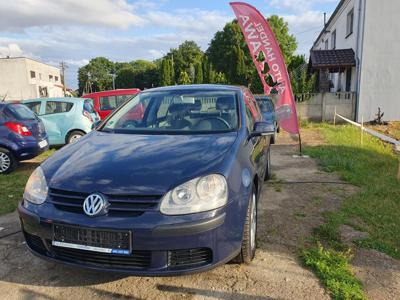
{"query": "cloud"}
(297, 5)
(22, 14)
(11, 50)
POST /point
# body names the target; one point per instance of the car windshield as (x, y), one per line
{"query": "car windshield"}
(21, 112)
(183, 111)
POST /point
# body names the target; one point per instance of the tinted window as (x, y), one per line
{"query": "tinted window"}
(177, 111)
(34, 106)
(108, 103)
(56, 107)
(266, 105)
(20, 112)
(112, 102)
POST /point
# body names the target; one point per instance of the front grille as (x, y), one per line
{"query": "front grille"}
(35, 243)
(189, 258)
(137, 259)
(130, 205)
(92, 237)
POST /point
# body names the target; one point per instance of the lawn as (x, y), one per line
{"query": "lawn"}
(373, 167)
(12, 185)
(375, 209)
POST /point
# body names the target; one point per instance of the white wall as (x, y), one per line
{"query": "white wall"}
(16, 81)
(380, 65)
(343, 41)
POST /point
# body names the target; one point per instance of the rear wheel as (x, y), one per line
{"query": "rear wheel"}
(267, 175)
(73, 136)
(248, 249)
(7, 161)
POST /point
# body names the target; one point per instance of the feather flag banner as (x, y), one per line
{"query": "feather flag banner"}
(268, 59)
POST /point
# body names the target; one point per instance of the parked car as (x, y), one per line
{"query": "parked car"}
(267, 108)
(105, 102)
(22, 136)
(172, 193)
(65, 119)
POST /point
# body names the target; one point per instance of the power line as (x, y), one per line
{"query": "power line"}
(308, 30)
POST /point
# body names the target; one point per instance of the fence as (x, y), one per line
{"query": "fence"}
(320, 107)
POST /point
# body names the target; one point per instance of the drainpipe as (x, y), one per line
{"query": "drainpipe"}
(359, 46)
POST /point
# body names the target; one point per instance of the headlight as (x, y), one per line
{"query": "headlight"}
(36, 188)
(197, 195)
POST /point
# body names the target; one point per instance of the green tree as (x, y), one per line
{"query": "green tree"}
(198, 79)
(147, 74)
(165, 73)
(184, 78)
(223, 52)
(125, 77)
(287, 42)
(99, 69)
(185, 56)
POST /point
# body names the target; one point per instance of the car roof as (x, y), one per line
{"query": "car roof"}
(62, 99)
(189, 87)
(113, 92)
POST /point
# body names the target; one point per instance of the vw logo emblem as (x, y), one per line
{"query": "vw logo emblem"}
(95, 205)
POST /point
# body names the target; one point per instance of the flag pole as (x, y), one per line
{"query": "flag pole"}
(300, 148)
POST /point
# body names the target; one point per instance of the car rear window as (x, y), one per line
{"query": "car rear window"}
(56, 107)
(20, 112)
(88, 106)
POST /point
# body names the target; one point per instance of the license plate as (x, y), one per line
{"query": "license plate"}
(43, 144)
(104, 241)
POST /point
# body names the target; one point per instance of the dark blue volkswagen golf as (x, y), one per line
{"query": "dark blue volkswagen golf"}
(168, 184)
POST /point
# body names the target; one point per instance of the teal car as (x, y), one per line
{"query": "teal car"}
(65, 119)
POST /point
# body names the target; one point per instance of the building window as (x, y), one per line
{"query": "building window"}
(40, 76)
(56, 78)
(333, 40)
(50, 77)
(326, 44)
(350, 22)
(33, 74)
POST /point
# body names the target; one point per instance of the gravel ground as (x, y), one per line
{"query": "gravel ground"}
(288, 212)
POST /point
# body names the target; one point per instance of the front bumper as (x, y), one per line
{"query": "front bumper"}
(161, 249)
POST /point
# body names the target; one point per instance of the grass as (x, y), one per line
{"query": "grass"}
(334, 272)
(375, 209)
(12, 185)
(373, 167)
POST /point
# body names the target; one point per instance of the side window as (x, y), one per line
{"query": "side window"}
(249, 119)
(108, 103)
(34, 106)
(121, 99)
(56, 107)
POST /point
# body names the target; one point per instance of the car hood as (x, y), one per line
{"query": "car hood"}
(134, 164)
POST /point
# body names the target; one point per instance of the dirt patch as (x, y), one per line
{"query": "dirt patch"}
(391, 129)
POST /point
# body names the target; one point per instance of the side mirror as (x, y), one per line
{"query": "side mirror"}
(96, 124)
(262, 128)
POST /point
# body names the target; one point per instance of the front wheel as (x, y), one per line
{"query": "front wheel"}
(74, 136)
(248, 249)
(267, 175)
(7, 161)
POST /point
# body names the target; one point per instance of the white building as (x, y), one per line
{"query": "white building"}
(24, 78)
(359, 51)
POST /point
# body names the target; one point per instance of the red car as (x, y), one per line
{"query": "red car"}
(105, 102)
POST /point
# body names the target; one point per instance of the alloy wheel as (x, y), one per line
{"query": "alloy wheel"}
(74, 138)
(5, 162)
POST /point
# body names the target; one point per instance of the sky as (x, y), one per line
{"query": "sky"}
(75, 31)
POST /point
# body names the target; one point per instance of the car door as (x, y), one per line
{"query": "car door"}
(259, 144)
(56, 120)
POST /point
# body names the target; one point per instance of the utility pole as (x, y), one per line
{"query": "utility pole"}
(63, 66)
(113, 78)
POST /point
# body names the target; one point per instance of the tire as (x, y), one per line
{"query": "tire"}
(273, 139)
(7, 161)
(248, 248)
(74, 135)
(267, 175)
